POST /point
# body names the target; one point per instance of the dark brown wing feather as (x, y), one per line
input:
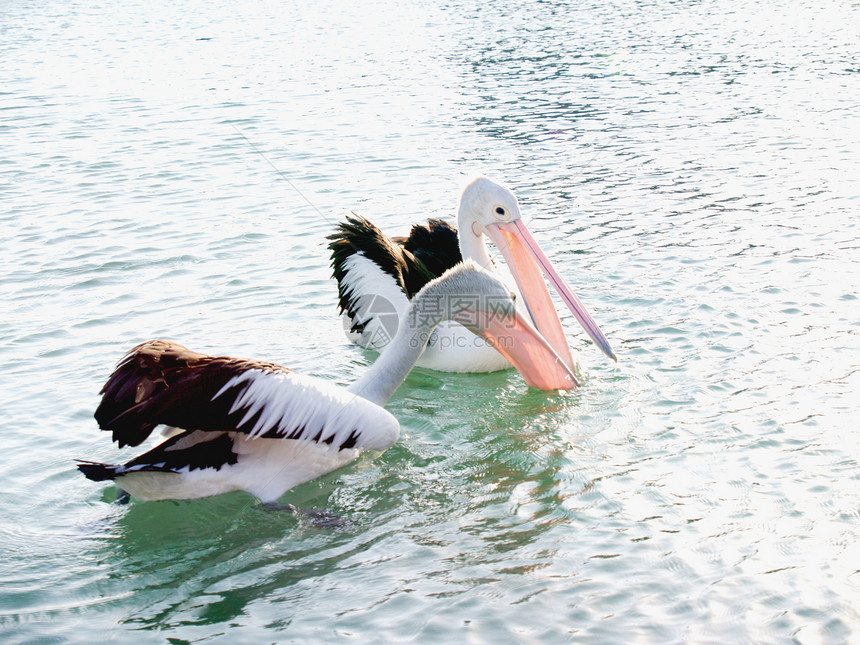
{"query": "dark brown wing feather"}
(360, 235)
(435, 244)
(163, 382)
(412, 261)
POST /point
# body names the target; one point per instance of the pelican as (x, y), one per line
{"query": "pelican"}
(237, 424)
(377, 275)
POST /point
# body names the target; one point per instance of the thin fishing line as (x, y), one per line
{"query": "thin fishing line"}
(281, 174)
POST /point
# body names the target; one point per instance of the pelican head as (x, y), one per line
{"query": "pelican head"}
(488, 208)
(484, 203)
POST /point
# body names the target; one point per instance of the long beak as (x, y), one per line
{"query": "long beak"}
(528, 351)
(526, 260)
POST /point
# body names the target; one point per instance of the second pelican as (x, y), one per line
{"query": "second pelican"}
(377, 276)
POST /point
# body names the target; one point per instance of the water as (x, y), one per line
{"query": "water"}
(171, 170)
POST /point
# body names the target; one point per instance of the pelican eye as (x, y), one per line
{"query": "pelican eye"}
(502, 212)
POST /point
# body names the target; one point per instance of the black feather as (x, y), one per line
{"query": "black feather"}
(358, 235)
(96, 471)
(193, 450)
(160, 382)
(435, 244)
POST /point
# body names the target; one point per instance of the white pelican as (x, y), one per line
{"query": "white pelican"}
(236, 424)
(377, 275)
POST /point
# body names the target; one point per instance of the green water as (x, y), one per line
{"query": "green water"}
(172, 171)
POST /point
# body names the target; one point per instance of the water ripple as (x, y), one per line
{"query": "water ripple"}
(689, 167)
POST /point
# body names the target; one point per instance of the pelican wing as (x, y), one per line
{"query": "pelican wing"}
(393, 256)
(160, 382)
(377, 275)
(186, 451)
(435, 244)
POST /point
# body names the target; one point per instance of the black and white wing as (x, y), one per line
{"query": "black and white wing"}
(161, 382)
(377, 275)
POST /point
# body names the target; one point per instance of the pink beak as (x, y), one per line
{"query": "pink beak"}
(522, 344)
(526, 260)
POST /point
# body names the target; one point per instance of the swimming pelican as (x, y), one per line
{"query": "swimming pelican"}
(377, 275)
(236, 424)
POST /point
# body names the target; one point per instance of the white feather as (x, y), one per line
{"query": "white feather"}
(288, 401)
(373, 292)
(452, 347)
(266, 468)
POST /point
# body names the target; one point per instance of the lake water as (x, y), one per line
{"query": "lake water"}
(172, 169)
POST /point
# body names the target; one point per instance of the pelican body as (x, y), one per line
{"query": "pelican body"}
(238, 424)
(377, 275)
